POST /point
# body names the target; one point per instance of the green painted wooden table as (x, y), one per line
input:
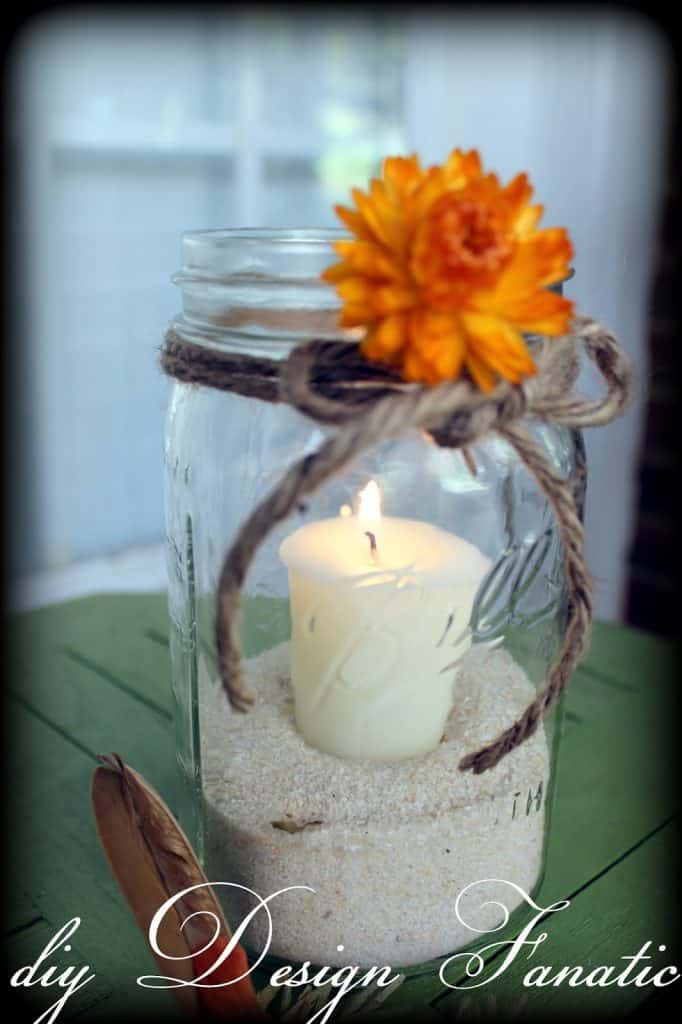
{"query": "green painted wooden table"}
(92, 676)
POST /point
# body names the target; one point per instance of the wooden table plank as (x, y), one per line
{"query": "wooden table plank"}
(119, 637)
(55, 855)
(91, 711)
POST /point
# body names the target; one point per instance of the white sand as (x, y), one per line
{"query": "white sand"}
(397, 841)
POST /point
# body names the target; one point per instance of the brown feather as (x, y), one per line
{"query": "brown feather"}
(152, 860)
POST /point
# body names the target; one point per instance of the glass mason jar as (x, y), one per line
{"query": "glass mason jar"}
(347, 781)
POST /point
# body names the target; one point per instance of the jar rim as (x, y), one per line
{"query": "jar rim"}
(260, 283)
(319, 235)
(280, 255)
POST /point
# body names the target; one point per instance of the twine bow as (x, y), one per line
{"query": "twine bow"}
(331, 383)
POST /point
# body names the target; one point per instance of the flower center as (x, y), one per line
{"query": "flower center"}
(469, 238)
(459, 244)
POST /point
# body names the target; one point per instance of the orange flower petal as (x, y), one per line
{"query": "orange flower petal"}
(541, 259)
(498, 345)
(393, 299)
(370, 259)
(416, 368)
(354, 222)
(518, 191)
(337, 272)
(402, 174)
(507, 364)
(461, 167)
(431, 188)
(527, 220)
(540, 313)
(356, 289)
(439, 340)
(482, 376)
(516, 196)
(390, 214)
(357, 315)
(386, 338)
(371, 217)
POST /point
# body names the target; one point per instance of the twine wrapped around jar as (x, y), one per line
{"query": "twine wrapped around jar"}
(331, 383)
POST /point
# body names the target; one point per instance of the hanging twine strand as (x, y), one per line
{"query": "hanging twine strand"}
(331, 383)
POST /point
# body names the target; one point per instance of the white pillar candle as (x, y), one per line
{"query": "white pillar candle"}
(380, 610)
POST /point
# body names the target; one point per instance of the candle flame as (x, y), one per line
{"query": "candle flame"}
(369, 506)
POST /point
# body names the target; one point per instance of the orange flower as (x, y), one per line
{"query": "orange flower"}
(447, 270)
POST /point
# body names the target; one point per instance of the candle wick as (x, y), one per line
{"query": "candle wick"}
(372, 543)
